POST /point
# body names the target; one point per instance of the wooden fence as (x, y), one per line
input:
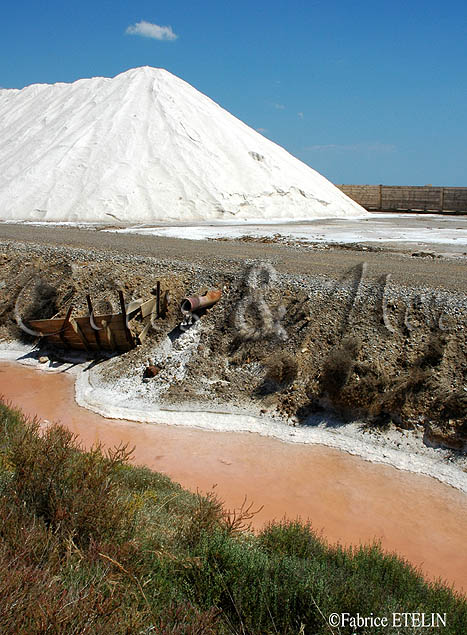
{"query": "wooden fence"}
(408, 198)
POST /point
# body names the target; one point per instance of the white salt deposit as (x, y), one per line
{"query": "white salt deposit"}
(146, 146)
(416, 229)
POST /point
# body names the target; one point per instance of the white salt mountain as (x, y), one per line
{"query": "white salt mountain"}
(146, 146)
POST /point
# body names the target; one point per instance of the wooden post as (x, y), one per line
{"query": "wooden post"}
(128, 335)
(441, 199)
(158, 299)
(380, 197)
(91, 319)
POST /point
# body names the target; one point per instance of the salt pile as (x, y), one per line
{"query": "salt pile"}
(146, 146)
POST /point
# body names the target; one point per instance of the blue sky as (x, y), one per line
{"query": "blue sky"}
(364, 92)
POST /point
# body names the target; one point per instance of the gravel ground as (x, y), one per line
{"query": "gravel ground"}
(410, 270)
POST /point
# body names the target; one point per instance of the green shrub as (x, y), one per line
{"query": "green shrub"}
(292, 538)
(89, 544)
(72, 490)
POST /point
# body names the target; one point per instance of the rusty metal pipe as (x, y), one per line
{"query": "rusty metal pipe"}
(194, 302)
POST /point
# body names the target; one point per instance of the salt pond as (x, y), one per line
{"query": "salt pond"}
(351, 500)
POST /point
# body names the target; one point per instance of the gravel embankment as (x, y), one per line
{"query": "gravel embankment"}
(395, 321)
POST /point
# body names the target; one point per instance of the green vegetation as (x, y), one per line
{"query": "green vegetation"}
(89, 544)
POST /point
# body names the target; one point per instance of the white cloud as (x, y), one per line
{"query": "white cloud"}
(356, 147)
(147, 29)
(300, 115)
(279, 106)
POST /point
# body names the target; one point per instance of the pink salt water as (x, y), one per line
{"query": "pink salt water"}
(347, 498)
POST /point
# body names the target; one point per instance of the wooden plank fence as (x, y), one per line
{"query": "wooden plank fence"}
(394, 198)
